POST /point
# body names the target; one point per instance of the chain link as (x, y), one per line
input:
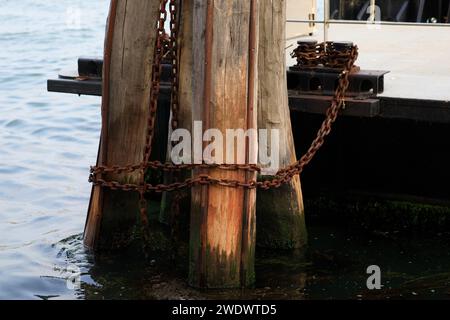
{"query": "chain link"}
(337, 104)
(174, 59)
(158, 56)
(308, 55)
(169, 167)
(330, 55)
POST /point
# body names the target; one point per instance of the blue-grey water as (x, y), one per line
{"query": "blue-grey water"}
(47, 143)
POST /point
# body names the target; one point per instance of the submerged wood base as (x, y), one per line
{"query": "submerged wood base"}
(222, 245)
(281, 219)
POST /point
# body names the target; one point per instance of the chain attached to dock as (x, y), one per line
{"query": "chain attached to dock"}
(330, 56)
(340, 57)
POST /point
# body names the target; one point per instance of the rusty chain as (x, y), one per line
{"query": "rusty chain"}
(308, 55)
(174, 61)
(350, 55)
(330, 55)
(158, 56)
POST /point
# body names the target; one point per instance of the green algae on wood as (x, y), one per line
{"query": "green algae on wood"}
(280, 219)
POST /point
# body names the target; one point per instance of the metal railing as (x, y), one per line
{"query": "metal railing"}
(372, 20)
(359, 22)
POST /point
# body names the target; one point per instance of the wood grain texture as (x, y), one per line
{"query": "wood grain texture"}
(112, 214)
(217, 223)
(281, 222)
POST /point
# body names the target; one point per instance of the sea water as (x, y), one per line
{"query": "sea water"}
(47, 143)
(47, 140)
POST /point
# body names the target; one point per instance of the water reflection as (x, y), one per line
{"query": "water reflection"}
(47, 141)
(333, 267)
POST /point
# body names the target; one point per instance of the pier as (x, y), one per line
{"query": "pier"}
(375, 103)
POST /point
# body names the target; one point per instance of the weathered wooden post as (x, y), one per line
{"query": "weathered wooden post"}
(281, 222)
(224, 86)
(129, 48)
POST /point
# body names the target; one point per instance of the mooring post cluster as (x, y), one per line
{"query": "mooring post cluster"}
(232, 75)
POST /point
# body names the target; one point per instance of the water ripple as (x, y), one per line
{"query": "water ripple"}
(47, 142)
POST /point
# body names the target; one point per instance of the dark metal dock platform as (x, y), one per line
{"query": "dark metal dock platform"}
(88, 82)
(380, 144)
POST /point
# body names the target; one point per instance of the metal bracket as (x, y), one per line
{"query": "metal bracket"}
(368, 83)
(366, 108)
(88, 79)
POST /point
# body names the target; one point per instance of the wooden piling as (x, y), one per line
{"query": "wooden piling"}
(128, 60)
(281, 221)
(225, 83)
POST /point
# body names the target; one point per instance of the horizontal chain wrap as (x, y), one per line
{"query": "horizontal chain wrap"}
(309, 55)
